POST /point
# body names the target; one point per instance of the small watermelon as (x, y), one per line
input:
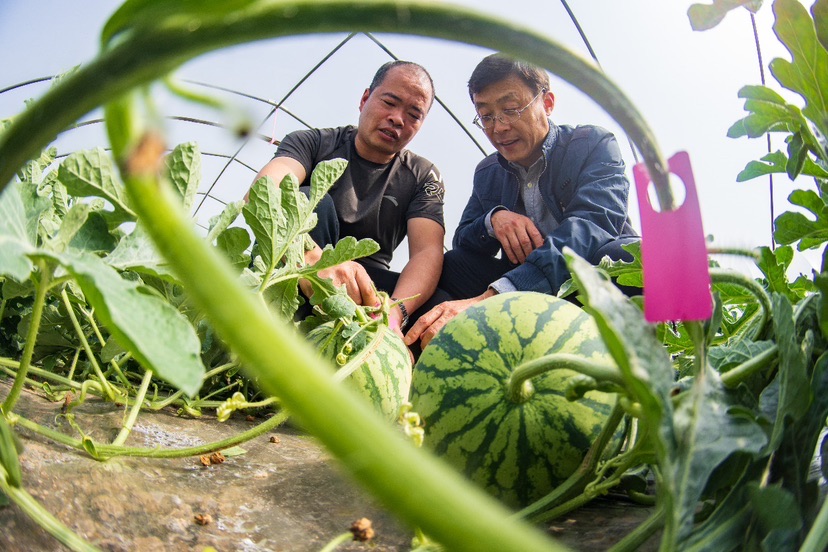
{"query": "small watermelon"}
(517, 451)
(384, 372)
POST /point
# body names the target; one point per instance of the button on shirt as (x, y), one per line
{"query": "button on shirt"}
(531, 204)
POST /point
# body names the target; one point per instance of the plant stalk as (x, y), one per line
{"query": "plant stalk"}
(31, 337)
(43, 517)
(732, 378)
(111, 451)
(133, 412)
(720, 276)
(817, 538)
(107, 388)
(585, 473)
(340, 539)
(519, 392)
(637, 537)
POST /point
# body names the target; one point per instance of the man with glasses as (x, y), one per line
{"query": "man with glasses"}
(547, 187)
(385, 193)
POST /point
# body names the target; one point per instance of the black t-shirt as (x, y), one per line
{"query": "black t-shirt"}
(372, 200)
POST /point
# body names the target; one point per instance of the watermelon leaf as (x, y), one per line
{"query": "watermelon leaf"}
(707, 16)
(15, 239)
(136, 252)
(807, 72)
(90, 174)
(184, 171)
(223, 220)
(158, 336)
(793, 227)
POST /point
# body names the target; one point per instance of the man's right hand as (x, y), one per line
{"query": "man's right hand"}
(517, 234)
(353, 276)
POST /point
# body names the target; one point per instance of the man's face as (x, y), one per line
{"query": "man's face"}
(392, 114)
(520, 141)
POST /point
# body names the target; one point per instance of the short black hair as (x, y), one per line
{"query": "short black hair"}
(497, 67)
(382, 72)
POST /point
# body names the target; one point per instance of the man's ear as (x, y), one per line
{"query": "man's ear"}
(364, 98)
(548, 102)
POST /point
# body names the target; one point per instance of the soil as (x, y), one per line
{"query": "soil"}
(285, 493)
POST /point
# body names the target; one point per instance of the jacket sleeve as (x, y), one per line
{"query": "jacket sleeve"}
(594, 216)
(471, 233)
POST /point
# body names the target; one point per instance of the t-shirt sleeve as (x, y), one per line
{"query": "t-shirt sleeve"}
(428, 199)
(302, 146)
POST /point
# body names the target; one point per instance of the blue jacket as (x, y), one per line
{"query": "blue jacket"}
(584, 186)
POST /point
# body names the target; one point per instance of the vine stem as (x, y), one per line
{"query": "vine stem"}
(637, 537)
(520, 390)
(90, 355)
(43, 517)
(340, 539)
(31, 337)
(735, 376)
(719, 276)
(817, 538)
(576, 482)
(104, 452)
(133, 412)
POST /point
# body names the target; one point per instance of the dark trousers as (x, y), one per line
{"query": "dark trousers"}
(467, 274)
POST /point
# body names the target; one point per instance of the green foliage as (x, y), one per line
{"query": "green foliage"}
(707, 16)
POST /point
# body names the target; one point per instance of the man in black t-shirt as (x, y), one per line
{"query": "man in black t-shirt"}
(386, 193)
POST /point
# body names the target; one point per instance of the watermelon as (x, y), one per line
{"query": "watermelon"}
(383, 374)
(516, 449)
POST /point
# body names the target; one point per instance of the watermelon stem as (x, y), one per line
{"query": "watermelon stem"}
(520, 389)
(638, 536)
(562, 496)
(732, 378)
(720, 276)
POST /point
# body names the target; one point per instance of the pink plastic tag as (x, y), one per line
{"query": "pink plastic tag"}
(674, 255)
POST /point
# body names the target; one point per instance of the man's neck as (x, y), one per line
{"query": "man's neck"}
(373, 156)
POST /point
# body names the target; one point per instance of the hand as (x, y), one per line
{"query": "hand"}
(517, 234)
(352, 275)
(432, 322)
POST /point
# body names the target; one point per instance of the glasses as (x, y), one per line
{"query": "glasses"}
(506, 117)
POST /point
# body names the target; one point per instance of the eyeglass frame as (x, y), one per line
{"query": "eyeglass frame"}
(478, 119)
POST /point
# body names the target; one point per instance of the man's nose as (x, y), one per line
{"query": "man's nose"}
(395, 117)
(499, 123)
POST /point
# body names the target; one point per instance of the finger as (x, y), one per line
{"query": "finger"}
(368, 294)
(518, 249)
(432, 331)
(352, 287)
(526, 246)
(506, 244)
(536, 236)
(424, 322)
(306, 288)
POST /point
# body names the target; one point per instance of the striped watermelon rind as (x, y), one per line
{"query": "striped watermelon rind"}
(384, 372)
(518, 452)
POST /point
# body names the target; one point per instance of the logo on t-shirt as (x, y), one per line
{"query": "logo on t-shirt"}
(434, 187)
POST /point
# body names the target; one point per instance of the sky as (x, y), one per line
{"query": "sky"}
(684, 83)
